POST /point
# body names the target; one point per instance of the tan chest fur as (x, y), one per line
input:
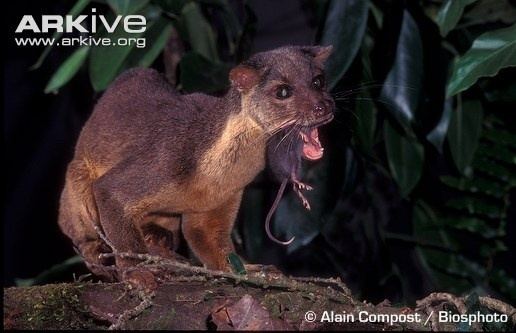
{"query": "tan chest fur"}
(231, 163)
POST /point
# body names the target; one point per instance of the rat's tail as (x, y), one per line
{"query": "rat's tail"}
(271, 212)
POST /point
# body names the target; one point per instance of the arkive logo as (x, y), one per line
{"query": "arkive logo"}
(86, 26)
(68, 23)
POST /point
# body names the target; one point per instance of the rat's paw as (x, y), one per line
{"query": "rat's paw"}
(305, 202)
(302, 186)
(140, 279)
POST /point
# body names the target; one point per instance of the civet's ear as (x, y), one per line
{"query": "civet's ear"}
(320, 53)
(244, 77)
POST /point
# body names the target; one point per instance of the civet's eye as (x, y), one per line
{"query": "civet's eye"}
(283, 91)
(318, 82)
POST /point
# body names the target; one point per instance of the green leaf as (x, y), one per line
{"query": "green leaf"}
(127, 7)
(76, 10)
(344, 28)
(171, 6)
(236, 264)
(232, 26)
(405, 159)
(500, 92)
(475, 205)
(201, 74)
(495, 169)
(199, 33)
(378, 15)
(490, 249)
(67, 70)
(253, 217)
(364, 124)
(426, 226)
(504, 281)
(438, 134)
(51, 274)
(402, 86)
(475, 185)
(489, 53)
(497, 152)
(364, 120)
(498, 136)
(156, 37)
(473, 225)
(462, 266)
(158, 43)
(106, 62)
(245, 42)
(464, 133)
(450, 14)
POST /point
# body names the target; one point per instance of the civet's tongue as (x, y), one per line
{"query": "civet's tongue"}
(312, 149)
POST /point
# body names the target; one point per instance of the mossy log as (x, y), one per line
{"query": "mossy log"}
(203, 300)
(191, 304)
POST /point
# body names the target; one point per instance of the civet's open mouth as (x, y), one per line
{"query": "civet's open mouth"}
(312, 148)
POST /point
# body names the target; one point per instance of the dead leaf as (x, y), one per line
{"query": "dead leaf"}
(246, 314)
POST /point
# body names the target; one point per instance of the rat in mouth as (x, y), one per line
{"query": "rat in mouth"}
(284, 153)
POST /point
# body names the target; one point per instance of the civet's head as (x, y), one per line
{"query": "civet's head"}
(286, 88)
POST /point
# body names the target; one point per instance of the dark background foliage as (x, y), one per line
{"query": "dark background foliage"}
(416, 190)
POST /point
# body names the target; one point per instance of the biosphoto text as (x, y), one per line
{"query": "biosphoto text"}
(71, 30)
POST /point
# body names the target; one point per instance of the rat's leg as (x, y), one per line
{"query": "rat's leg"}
(298, 186)
(304, 200)
(297, 183)
(209, 233)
